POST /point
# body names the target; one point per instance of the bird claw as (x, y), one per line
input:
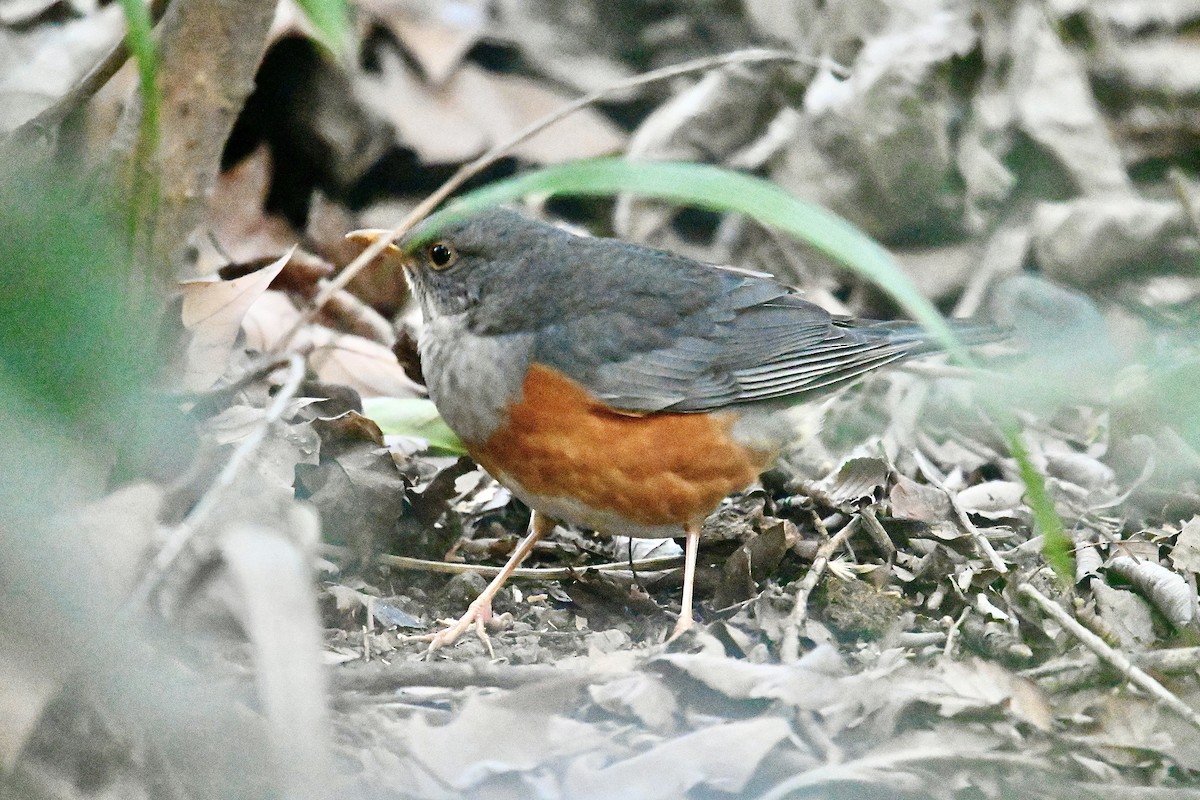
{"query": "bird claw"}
(476, 616)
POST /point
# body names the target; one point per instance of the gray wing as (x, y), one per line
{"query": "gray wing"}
(750, 340)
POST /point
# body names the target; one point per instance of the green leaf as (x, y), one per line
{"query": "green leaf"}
(410, 416)
(331, 19)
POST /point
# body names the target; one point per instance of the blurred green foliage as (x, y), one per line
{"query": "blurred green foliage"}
(72, 339)
(331, 19)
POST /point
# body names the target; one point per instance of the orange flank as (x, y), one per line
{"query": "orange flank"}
(653, 469)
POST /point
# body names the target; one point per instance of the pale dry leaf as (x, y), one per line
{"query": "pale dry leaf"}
(1185, 555)
(476, 109)
(584, 134)
(240, 230)
(940, 272)
(514, 732)
(1126, 614)
(641, 696)
(723, 757)
(791, 21)
(1165, 589)
(366, 366)
(269, 319)
(1088, 562)
(436, 35)
(993, 499)
(1126, 728)
(14, 13)
(896, 767)
(793, 684)
(234, 424)
(722, 113)
(565, 41)
(1055, 106)
(1170, 66)
(277, 607)
(1136, 17)
(976, 684)
(42, 62)
(347, 599)
(1080, 469)
(1087, 240)
(213, 313)
(857, 480)
(912, 500)
(888, 142)
(444, 128)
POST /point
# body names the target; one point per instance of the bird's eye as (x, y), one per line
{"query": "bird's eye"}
(442, 255)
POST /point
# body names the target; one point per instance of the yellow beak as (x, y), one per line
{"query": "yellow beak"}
(391, 257)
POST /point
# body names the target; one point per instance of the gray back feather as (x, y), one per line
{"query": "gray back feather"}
(646, 330)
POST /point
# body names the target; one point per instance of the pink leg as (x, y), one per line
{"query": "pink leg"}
(685, 621)
(480, 609)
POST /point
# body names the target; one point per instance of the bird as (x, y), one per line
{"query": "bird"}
(614, 386)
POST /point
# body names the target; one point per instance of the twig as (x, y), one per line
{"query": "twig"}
(952, 632)
(535, 573)
(166, 557)
(379, 677)
(1183, 192)
(879, 534)
(964, 522)
(789, 649)
(1118, 660)
(468, 171)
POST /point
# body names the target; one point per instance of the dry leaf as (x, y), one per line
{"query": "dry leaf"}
(722, 757)
(1167, 590)
(1185, 555)
(993, 499)
(213, 312)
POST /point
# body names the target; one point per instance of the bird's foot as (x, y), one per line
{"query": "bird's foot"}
(682, 625)
(477, 616)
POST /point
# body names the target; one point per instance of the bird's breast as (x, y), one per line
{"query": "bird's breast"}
(472, 379)
(564, 452)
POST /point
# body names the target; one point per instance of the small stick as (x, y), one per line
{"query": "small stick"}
(386, 678)
(1118, 660)
(166, 557)
(468, 171)
(952, 632)
(964, 522)
(535, 573)
(789, 649)
(1191, 213)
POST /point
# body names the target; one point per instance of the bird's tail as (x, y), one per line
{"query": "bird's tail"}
(917, 340)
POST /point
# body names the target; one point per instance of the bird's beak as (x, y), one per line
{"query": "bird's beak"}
(392, 256)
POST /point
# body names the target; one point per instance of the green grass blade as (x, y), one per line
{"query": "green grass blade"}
(1057, 547)
(144, 193)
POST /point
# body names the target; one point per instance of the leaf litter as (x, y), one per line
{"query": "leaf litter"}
(922, 669)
